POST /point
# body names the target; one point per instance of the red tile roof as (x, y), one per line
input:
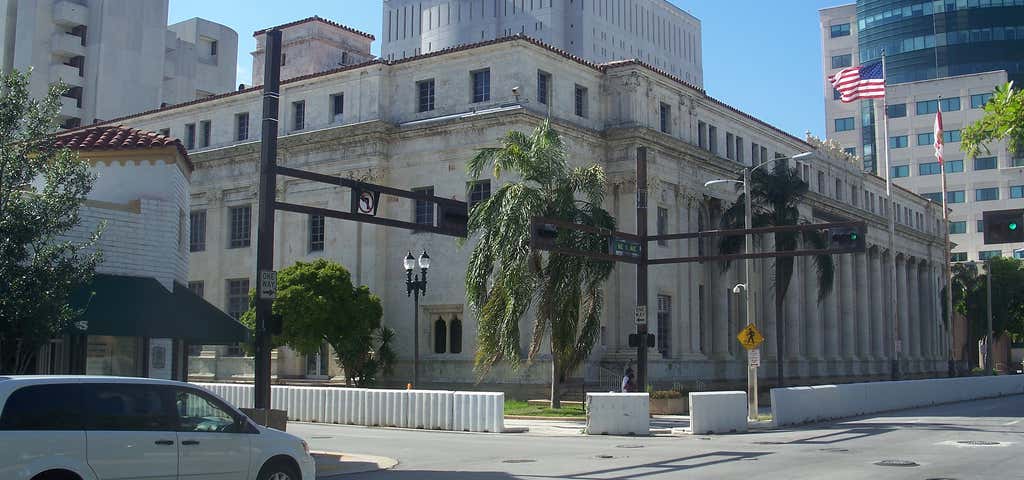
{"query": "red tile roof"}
(117, 137)
(314, 18)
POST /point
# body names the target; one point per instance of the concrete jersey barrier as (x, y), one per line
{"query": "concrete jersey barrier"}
(797, 405)
(718, 412)
(426, 409)
(618, 414)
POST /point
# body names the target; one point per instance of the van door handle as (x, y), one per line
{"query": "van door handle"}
(190, 442)
(164, 442)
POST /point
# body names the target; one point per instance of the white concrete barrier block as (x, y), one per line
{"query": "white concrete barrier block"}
(618, 414)
(718, 412)
(431, 409)
(386, 408)
(478, 412)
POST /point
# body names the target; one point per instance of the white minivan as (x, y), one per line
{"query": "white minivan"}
(110, 428)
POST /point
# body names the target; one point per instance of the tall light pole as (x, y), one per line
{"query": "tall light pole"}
(413, 287)
(748, 267)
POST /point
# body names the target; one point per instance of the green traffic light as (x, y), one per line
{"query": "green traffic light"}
(1013, 226)
(853, 236)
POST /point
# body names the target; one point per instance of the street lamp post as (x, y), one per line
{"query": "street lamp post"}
(748, 267)
(414, 286)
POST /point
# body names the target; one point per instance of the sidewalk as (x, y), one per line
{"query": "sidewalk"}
(660, 425)
(332, 464)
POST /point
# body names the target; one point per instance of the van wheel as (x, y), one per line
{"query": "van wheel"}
(278, 471)
(57, 475)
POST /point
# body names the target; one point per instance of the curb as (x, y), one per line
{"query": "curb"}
(548, 419)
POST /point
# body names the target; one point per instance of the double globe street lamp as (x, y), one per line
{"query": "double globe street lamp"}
(414, 286)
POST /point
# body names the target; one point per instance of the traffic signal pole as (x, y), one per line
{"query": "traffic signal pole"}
(265, 223)
(641, 266)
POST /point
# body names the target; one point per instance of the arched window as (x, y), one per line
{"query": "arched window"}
(456, 335)
(440, 335)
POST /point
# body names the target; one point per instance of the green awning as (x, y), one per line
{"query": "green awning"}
(142, 307)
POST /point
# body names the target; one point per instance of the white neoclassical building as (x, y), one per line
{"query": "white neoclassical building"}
(414, 123)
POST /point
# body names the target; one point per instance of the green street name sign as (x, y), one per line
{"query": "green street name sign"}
(625, 247)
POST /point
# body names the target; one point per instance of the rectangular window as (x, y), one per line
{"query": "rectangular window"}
(925, 139)
(931, 168)
(989, 254)
(933, 196)
(842, 61)
(956, 228)
(897, 111)
(337, 106)
(1017, 161)
(979, 100)
(298, 115)
(764, 154)
(844, 124)
(664, 338)
(424, 210)
(425, 95)
(479, 191)
(739, 149)
(956, 196)
(666, 118)
(927, 107)
(316, 233)
(242, 126)
(238, 236)
(980, 225)
(713, 139)
(841, 30)
(853, 195)
(951, 136)
(662, 224)
(986, 194)
(958, 257)
(755, 150)
(986, 163)
(901, 171)
(190, 136)
(839, 189)
(197, 231)
(1017, 191)
(481, 85)
(702, 135)
(238, 297)
(898, 141)
(821, 183)
(543, 87)
(950, 104)
(205, 131)
(213, 48)
(730, 146)
(581, 100)
(197, 287)
(954, 166)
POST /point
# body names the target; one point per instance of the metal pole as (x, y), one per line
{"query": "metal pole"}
(641, 266)
(948, 266)
(416, 336)
(988, 331)
(749, 274)
(265, 225)
(895, 299)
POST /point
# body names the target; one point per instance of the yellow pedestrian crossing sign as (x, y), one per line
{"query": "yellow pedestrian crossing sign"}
(750, 337)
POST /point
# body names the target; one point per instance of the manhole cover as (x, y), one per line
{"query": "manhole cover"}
(603, 456)
(834, 450)
(629, 446)
(977, 443)
(519, 460)
(896, 463)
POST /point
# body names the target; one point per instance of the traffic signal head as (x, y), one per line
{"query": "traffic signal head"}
(543, 235)
(847, 238)
(1004, 226)
(276, 326)
(454, 218)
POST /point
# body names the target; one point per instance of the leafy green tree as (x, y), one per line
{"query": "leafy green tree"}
(506, 278)
(319, 304)
(1007, 297)
(1003, 120)
(41, 189)
(777, 194)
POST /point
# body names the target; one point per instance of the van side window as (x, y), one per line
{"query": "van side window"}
(129, 407)
(43, 407)
(199, 413)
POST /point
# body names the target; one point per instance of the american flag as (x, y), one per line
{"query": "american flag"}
(938, 135)
(855, 83)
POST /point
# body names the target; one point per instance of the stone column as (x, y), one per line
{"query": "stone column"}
(879, 296)
(794, 302)
(863, 292)
(901, 290)
(848, 308)
(812, 314)
(830, 317)
(914, 306)
(718, 296)
(927, 316)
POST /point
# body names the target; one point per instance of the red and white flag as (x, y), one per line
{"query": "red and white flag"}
(938, 135)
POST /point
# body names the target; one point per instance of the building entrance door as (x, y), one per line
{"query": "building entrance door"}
(317, 365)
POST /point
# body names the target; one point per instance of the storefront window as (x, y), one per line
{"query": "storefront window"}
(112, 356)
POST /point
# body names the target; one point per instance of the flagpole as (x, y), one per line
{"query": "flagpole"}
(894, 301)
(947, 258)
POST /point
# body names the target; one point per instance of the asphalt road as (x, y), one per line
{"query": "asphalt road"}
(846, 450)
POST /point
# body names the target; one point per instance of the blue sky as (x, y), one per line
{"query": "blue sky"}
(761, 56)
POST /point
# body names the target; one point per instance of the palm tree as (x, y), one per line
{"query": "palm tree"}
(777, 194)
(506, 277)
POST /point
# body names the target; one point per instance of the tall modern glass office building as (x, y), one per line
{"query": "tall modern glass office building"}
(947, 54)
